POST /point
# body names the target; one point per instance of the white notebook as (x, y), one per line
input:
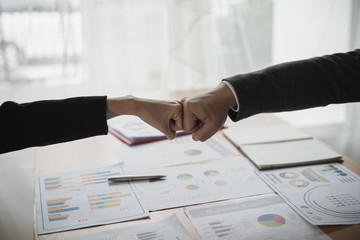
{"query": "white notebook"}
(280, 146)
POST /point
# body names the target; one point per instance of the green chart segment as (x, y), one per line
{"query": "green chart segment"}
(271, 220)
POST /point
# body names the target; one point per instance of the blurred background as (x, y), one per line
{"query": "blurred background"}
(63, 48)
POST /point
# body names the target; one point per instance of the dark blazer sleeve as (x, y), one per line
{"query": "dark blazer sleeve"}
(47, 122)
(298, 85)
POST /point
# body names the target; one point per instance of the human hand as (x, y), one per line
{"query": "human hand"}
(166, 116)
(205, 114)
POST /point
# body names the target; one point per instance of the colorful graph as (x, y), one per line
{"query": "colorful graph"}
(271, 220)
(58, 183)
(57, 209)
(97, 177)
(313, 176)
(343, 204)
(331, 169)
(192, 187)
(211, 173)
(184, 176)
(248, 179)
(220, 229)
(192, 152)
(300, 183)
(289, 175)
(134, 126)
(106, 200)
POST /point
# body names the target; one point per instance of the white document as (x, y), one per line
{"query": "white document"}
(265, 217)
(84, 198)
(170, 152)
(169, 228)
(199, 183)
(324, 194)
(254, 135)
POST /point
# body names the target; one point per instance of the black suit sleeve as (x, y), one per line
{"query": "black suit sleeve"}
(298, 85)
(47, 122)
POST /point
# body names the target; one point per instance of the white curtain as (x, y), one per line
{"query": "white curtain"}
(189, 60)
(137, 45)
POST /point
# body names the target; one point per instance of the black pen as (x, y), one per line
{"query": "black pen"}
(124, 178)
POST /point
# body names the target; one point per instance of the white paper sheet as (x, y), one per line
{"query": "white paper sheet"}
(84, 198)
(169, 228)
(323, 194)
(170, 152)
(265, 217)
(199, 183)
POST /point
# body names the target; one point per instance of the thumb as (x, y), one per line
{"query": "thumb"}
(205, 132)
(170, 133)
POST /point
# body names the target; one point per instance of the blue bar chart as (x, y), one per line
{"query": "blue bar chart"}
(59, 209)
(58, 183)
(106, 200)
(97, 177)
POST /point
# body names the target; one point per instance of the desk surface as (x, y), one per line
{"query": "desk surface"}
(94, 153)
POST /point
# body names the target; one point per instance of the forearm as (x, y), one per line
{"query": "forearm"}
(130, 105)
(47, 122)
(298, 85)
(121, 106)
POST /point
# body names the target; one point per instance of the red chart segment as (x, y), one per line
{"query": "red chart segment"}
(271, 220)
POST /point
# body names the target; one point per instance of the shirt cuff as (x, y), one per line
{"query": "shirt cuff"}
(235, 96)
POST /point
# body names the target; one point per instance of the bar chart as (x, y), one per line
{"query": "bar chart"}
(106, 200)
(83, 198)
(58, 183)
(60, 209)
(220, 229)
(97, 177)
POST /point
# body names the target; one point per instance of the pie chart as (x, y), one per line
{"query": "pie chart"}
(184, 176)
(192, 152)
(289, 175)
(300, 183)
(192, 187)
(271, 220)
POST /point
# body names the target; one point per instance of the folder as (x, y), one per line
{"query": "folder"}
(133, 131)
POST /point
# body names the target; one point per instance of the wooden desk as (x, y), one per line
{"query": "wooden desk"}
(94, 153)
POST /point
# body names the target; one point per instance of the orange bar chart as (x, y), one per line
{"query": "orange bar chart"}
(106, 200)
(97, 177)
(57, 207)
